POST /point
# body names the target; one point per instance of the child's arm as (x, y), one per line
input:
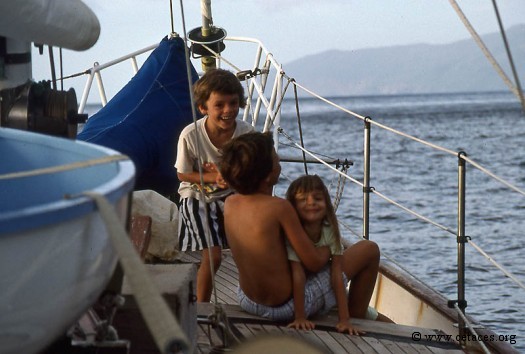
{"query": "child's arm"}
(210, 174)
(298, 281)
(336, 274)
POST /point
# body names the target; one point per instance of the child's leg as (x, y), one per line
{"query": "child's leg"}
(204, 276)
(361, 264)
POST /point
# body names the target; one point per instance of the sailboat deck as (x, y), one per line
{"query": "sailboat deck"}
(379, 337)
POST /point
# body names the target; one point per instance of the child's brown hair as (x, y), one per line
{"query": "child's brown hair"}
(217, 80)
(246, 161)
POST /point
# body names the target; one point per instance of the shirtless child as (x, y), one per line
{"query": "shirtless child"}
(257, 222)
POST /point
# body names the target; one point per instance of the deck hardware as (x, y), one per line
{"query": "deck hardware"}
(463, 239)
(461, 153)
(214, 41)
(345, 164)
(248, 74)
(461, 303)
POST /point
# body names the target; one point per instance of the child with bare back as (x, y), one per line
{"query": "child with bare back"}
(310, 198)
(257, 225)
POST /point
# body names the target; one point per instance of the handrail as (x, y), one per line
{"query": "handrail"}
(97, 68)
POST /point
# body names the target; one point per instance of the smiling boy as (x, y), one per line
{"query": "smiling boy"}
(218, 95)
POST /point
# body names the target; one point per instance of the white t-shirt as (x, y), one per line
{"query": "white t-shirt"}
(188, 159)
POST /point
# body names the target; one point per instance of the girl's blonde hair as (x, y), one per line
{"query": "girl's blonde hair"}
(311, 183)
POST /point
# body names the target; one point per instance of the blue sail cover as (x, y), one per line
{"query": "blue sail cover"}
(145, 118)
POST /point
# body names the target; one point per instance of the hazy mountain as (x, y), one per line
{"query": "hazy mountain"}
(421, 68)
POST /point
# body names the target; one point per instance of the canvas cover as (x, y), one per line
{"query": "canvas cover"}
(145, 118)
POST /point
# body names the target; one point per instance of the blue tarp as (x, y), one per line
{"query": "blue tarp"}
(145, 118)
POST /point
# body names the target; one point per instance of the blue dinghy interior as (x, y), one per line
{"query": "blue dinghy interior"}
(37, 200)
(145, 118)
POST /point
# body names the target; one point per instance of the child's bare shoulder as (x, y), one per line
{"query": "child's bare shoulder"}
(280, 205)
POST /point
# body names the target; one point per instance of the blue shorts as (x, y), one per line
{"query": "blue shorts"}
(319, 299)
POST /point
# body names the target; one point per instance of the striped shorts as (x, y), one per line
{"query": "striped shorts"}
(319, 299)
(193, 224)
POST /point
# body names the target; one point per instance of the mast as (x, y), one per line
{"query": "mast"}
(207, 62)
(207, 36)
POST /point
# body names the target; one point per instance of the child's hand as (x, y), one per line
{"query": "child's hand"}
(209, 167)
(302, 323)
(220, 181)
(346, 327)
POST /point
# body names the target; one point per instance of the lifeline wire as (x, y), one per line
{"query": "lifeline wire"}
(410, 211)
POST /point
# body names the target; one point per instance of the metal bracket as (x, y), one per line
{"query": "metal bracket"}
(463, 239)
(462, 304)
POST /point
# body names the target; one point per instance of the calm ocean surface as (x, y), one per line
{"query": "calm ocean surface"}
(490, 128)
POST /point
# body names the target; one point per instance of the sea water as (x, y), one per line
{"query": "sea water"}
(490, 129)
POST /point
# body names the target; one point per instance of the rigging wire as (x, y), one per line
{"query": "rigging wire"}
(421, 141)
(61, 68)
(509, 55)
(219, 317)
(52, 64)
(299, 124)
(199, 147)
(383, 254)
(172, 17)
(406, 209)
(471, 329)
(488, 54)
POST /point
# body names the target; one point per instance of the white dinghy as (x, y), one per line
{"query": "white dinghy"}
(55, 254)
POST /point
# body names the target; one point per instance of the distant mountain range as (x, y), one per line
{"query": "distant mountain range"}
(421, 68)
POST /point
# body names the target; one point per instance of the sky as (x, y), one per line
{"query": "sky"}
(290, 29)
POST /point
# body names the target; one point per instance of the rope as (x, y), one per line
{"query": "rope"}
(491, 174)
(360, 237)
(487, 53)
(219, 316)
(499, 266)
(340, 188)
(509, 55)
(207, 232)
(299, 124)
(408, 210)
(166, 331)
(63, 168)
(471, 328)
(426, 143)
(171, 17)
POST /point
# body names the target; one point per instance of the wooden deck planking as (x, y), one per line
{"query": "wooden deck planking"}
(350, 346)
(334, 346)
(380, 338)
